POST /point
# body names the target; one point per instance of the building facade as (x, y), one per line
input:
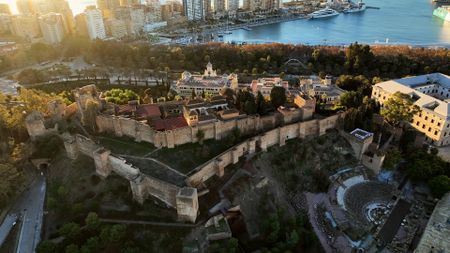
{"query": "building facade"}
(431, 93)
(194, 9)
(26, 26)
(52, 27)
(94, 23)
(266, 84)
(209, 82)
(116, 28)
(4, 8)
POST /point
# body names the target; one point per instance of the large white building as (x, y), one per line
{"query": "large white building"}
(321, 89)
(194, 9)
(52, 27)
(94, 22)
(266, 84)
(432, 94)
(209, 82)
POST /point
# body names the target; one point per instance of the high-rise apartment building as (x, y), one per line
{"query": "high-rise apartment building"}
(194, 9)
(26, 26)
(219, 6)
(5, 23)
(81, 25)
(94, 23)
(108, 4)
(107, 7)
(116, 28)
(129, 2)
(4, 8)
(24, 7)
(52, 27)
(232, 5)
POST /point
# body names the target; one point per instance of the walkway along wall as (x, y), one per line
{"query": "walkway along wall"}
(141, 131)
(270, 138)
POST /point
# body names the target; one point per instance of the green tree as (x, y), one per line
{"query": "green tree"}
(392, 158)
(278, 96)
(46, 247)
(351, 99)
(72, 248)
(92, 245)
(439, 185)
(250, 106)
(10, 180)
(399, 108)
(261, 105)
(92, 221)
(70, 230)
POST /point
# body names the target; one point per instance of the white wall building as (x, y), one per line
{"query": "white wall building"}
(95, 25)
(52, 27)
(432, 94)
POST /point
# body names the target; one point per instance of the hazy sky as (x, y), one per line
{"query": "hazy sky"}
(77, 6)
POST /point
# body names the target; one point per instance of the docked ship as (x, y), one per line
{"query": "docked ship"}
(441, 1)
(358, 7)
(442, 12)
(323, 13)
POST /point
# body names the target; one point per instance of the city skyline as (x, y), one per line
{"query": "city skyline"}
(77, 6)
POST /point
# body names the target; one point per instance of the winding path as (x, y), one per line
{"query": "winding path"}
(156, 161)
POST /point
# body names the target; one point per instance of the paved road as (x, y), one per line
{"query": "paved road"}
(30, 207)
(8, 223)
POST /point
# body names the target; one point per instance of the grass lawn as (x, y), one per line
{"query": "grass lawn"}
(125, 146)
(186, 157)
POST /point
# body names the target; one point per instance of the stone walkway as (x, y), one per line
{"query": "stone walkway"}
(156, 161)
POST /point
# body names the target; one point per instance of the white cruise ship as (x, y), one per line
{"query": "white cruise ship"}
(323, 13)
(358, 7)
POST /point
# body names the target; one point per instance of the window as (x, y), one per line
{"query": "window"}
(439, 123)
(432, 121)
(426, 117)
(417, 123)
(435, 132)
(429, 129)
(423, 126)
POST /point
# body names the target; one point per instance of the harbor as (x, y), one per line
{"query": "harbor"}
(383, 22)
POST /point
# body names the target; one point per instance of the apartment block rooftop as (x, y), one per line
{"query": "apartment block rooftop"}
(431, 91)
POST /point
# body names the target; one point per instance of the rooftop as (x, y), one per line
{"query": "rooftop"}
(168, 123)
(141, 111)
(361, 134)
(413, 85)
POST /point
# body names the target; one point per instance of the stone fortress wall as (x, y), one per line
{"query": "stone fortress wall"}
(277, 136)
(142, 185)
(140, 131)
(185, 199)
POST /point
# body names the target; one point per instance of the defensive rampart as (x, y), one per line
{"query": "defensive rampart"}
(277, 136)
(140, 131)
(141, 185)
(185, 199)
